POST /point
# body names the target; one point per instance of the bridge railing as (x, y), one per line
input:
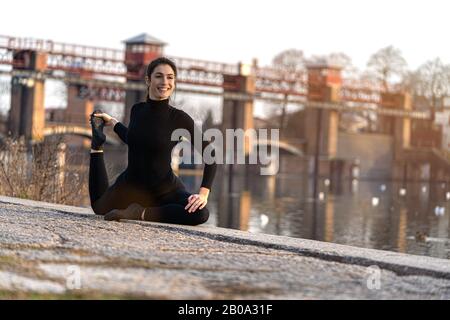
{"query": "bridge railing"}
(205, 66)
(81, 64)
(55, 123)
(59, 48)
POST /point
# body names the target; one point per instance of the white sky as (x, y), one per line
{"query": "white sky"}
(239, 30)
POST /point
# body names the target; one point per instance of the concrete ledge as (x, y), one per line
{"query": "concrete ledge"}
(46, 205)
(400, 263)
(221, 249)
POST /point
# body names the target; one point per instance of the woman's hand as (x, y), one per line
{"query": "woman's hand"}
(109, 121)
(197, 201)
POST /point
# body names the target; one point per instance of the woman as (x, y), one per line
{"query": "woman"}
(148, 189)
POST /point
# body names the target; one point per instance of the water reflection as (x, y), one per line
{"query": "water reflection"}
(414, 221)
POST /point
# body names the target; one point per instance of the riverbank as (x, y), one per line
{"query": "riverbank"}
(55, 251)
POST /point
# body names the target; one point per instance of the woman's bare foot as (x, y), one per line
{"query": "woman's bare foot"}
(98, 137)
(134, 212)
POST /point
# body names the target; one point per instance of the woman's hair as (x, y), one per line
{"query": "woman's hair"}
(158, 61)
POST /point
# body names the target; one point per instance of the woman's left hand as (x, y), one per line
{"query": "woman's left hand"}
(196, 201)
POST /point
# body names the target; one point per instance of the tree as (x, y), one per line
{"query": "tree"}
(411, 82)
(337, 59)
(342, 60)
(434, 81)
(387, 63)
(429, 84)
(291, 60)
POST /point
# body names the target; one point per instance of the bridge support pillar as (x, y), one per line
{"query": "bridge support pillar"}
(437, 173)
(321, 125)
(79, 108)
(237, 113)
(406, 171)
(414, 171)
(27, 113)
(400, 129)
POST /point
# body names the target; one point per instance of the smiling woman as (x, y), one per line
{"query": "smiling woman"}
(161, 82)
(148, 189)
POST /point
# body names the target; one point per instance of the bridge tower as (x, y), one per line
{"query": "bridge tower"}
(27, 114)
(324, 84)
(237, 106)
(139, 52)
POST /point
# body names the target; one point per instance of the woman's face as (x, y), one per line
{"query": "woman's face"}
(161, 83)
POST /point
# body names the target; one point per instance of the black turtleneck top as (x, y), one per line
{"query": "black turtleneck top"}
(150, 147)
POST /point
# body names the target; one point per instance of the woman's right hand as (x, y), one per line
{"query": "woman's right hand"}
(109, 121)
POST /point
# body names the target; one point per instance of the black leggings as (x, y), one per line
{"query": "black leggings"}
(167, 208)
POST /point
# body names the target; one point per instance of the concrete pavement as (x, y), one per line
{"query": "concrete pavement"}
(55, 251)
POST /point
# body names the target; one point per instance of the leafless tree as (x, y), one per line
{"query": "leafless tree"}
(429, 84)
(387, 64)
(344, 61)
(291, 60)
(41, 172)
(434, 81)
(411, 82)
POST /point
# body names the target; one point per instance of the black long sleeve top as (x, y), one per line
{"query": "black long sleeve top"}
(150, 146)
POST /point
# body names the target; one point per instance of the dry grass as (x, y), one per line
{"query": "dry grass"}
(42, 172)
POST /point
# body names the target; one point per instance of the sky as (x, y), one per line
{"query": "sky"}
(240, 30)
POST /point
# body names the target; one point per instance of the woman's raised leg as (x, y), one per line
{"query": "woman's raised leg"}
(98, 178)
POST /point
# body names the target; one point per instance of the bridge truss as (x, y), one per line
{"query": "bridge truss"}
(101, 74)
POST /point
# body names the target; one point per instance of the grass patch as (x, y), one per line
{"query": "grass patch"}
(69, 295)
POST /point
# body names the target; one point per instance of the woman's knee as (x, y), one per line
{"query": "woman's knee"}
(200, 216)
(98, 210)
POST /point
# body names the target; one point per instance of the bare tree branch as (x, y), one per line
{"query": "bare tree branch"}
(387, 64)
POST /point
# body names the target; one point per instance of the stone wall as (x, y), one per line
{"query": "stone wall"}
(374, 151)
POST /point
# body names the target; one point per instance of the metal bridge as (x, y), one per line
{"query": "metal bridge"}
(86, 66)
(103, 74)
